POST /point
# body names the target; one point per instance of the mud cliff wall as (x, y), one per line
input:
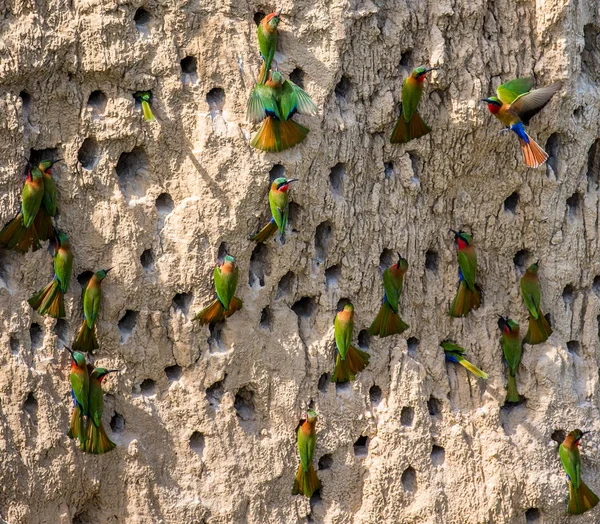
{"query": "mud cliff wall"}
(204, 421)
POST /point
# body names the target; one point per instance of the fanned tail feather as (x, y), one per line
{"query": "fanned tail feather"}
(306, 482)
(581, 499)
(387, 322)
(406, 131)
(77, 427)
(533, 154)
(211, 313)
(464, 301)
(538, 331)
(473, 369)
(346, 369)
(276, 136)
(49, 300)
(97, 439)
(292, 133)
(18, 237)
(265, 233)
(234, 305)
(512, 395)
(43, 226)
(86, 339)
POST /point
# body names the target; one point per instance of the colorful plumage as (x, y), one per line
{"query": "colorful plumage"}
(388, 321)
(515, 106)
(410, 125)
(274, 104)
(581, 498)
(349, 360)
(280, 208)
(50, 300)
(226, 304)
(92, 297)
(467, 296)
(80, 387)
(539, 329)
(455, 353)
(144, 98)
(43, 220)
(267, 42)
(306, 481)
(511, 346)
(97, 440)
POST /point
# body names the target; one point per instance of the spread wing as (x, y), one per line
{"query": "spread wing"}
(530, 104)
(261, 104)
(295, 100)
(512, 90)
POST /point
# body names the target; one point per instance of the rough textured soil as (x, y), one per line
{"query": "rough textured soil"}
(205, 421)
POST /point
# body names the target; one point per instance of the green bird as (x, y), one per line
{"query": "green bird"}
(80, 387)
(280, 209)
(144, 98)
(51, 300)
(267, 42)
(511, 346)
(97, 441)
(455, 353)
(581, 498)
(410, 125)
(43, 220)
(467, 296)
(388, 321)
(539, 329)
(92, 297)
(349, 360)
(306, 481)
(20, 233)
(226, 304)
(274, 104)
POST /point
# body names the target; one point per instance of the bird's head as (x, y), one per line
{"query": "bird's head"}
(276, 77)
(494, 104)
(100, 373)
(462, 239)
(311, 416)
(349, 307)
(420, 73)
(272, 20)
(282, 183)
(402, 263)
(533, 269)
(101, 274)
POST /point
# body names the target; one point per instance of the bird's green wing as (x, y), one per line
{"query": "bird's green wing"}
(31, 199)
(531, 296)
(63, 266)
(529, 104)
(79, 389)
(572, 464)
(261, 103)
(278, 202)
(341, 336)
(91, 305)
(232, 282)
(221, 286)
(49, 199)
(294, 98)
(468, 268)
(510, 91)
(303, 449)
(411, 96)
(391, 291)
(512, 350)
(96, 402)
(452, 347)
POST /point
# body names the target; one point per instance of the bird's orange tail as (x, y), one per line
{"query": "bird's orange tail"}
(306, 482)
(86, 339)
(276, 136)
(464, 301)
(211, 313)
(97, 440)
(406, 131)
(581, 499)
(234, 305)
(387, 322)
(43, 226)
(18, 237)
(512, 395)
(539, 330)
(346, 369)
(265, 233)
(533, 154)
(49, 300)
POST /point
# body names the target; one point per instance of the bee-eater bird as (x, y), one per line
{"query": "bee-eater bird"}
(455, 353)
(144, 98)
(410, 125)
(280, 208)
(467, 296)
(349, 360)
(388, 321)
(20, 233)
(306, 479)
(226, 304)
(539, 329)
(511, 346)
(92, 297)
(274, 104)
(97, 441)
(43, 220)
(267, 42)
(581, 498)
(515, 106)
(80, 387)
(51, 300)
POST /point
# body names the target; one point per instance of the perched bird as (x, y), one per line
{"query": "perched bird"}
(51, 300)
(539, 329)
(467, 296)
(97, 441)
(388, 321)
(144, 98)
(43, 220)
(20, 233)
(92, 297)
(511, 346)
(581, 498)
(410, 125)
(515, 106)
(306, 479)
(80, 387)
(267, 42)
(280, 208)
(454, 353)
(226, 304)
(349, 360)
(274, 104)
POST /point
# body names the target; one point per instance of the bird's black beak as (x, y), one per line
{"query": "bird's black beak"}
(69, 349)
(487, 100)
(107, 270)
(456, 233)
(112, 371)
(537, 262)
(430, 69)
(290, 180)
(278, 14)
(399, 258)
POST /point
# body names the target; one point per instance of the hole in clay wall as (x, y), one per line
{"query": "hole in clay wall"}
(215, 392)
(324, 381)
(533, 515)
(181, 302)
(522, 259)
(258, 16)
(127, 324)
(297, 76)
(375, 395)
(266, 318)
(325, 462)
(222, 251)
(573, 347)
(30, 406)
(26, 103)
(558, 435)
(593, 166)
(409, 480)
(407, 416)
(406, 58)
(412, 345)
(510, 204)
(434, 406)
(336, 179)
(277, 171)
(215, 99)
(342, 387)
(244, 405)
(89, 153)
(84, 278)
(148, 387)
(332, 276)
(361, 446)
(596, 285)
(215, 340)
(568, 294)
(147, 260)
(343, 87)
(415, 162)
(15, 346)
(36, 336)
(432, 261)
(322, 240)
(61, 330)
(189, 65)
(285, 287)
(97, 102)
(117, 423)
(294, 215)
(37, 155)
(258, 266)
(305, 307)
(364, 339)
(164, 204)
(590, 56)
(132, 171)
(438, 455)
(142, 19)
(388, 170)
(552, 146)
(342, 302)
(573, 205)
(173, 373)
(197, 443)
